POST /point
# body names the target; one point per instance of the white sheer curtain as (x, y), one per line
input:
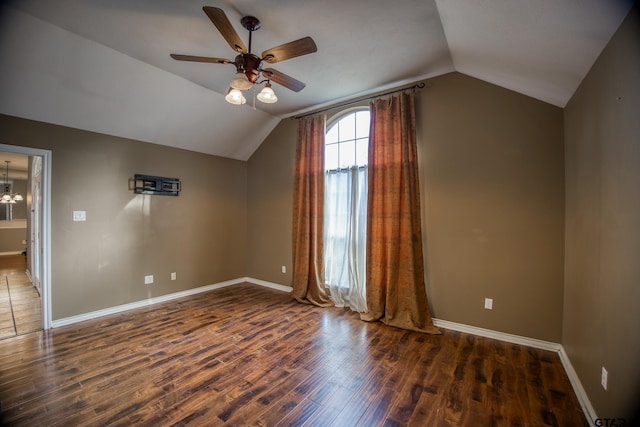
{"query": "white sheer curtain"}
(345, 213)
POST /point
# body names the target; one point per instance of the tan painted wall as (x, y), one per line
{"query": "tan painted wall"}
(602, 270)
(11, 240)
(102, 262)
(493, 201)
(269, 190)
(493, 196)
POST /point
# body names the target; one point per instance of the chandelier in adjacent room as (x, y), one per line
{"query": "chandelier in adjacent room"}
(7, 196)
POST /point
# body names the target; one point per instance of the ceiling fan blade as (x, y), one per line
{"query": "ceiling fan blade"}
(220, 20)
(290, 50)
(282, 79)
(200, 59)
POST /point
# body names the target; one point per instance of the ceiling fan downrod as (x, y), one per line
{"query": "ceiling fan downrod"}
(248, 63)
(251, 23)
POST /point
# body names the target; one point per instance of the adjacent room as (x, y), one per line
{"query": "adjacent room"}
(205, 220)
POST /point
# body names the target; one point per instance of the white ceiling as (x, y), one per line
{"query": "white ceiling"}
(104, 65)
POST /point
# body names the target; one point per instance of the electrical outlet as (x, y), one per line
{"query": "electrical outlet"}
(488, 303)
(284, 268)
(173, 276)
(79, 215)
(148, 279)
(603, 378)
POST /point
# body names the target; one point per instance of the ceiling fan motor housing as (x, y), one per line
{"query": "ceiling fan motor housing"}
(249, 64)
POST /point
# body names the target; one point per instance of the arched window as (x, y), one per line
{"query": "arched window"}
(345, 208)
(347, 141)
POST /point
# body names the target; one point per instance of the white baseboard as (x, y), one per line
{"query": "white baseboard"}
(581, 394)
(139, 304)
(11, 253)
(163, 298)
(271, 285)
(501, 336)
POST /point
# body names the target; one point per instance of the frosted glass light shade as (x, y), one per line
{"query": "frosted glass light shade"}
(235, 97)
(241, 82)
(267, 95)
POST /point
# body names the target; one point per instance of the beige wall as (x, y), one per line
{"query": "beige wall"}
(11, 238)
(493, 202)
(269, 191)
(101, 263)
(493, 199)
(602, 270)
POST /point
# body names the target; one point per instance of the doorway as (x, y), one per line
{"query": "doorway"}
(37, 241)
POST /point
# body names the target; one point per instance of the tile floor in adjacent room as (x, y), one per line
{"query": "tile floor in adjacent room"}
(20, 304)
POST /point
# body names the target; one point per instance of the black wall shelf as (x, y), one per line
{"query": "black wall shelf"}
(156, 185)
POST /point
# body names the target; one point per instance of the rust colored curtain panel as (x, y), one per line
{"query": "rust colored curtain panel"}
(396, 292)
(308, 214)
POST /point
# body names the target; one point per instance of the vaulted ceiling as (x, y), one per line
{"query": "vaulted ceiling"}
(104, 65)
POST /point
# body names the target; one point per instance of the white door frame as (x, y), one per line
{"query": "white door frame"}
(45, 261)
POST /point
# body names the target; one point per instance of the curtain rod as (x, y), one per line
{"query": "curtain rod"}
(420, 85)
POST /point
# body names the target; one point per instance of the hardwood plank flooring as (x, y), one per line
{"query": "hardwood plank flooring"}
(247, 355)
(20, 304)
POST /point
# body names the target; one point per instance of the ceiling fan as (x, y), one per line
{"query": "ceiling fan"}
(248, 65)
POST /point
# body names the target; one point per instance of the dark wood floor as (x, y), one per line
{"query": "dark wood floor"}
(248, 355)
(20, 304)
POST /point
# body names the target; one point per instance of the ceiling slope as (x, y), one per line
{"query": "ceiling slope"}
(541, 48)
(104, 65)
(54, 76)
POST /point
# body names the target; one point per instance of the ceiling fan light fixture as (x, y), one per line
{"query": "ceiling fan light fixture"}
(267, 95)
(241, 82)
(235, 97)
